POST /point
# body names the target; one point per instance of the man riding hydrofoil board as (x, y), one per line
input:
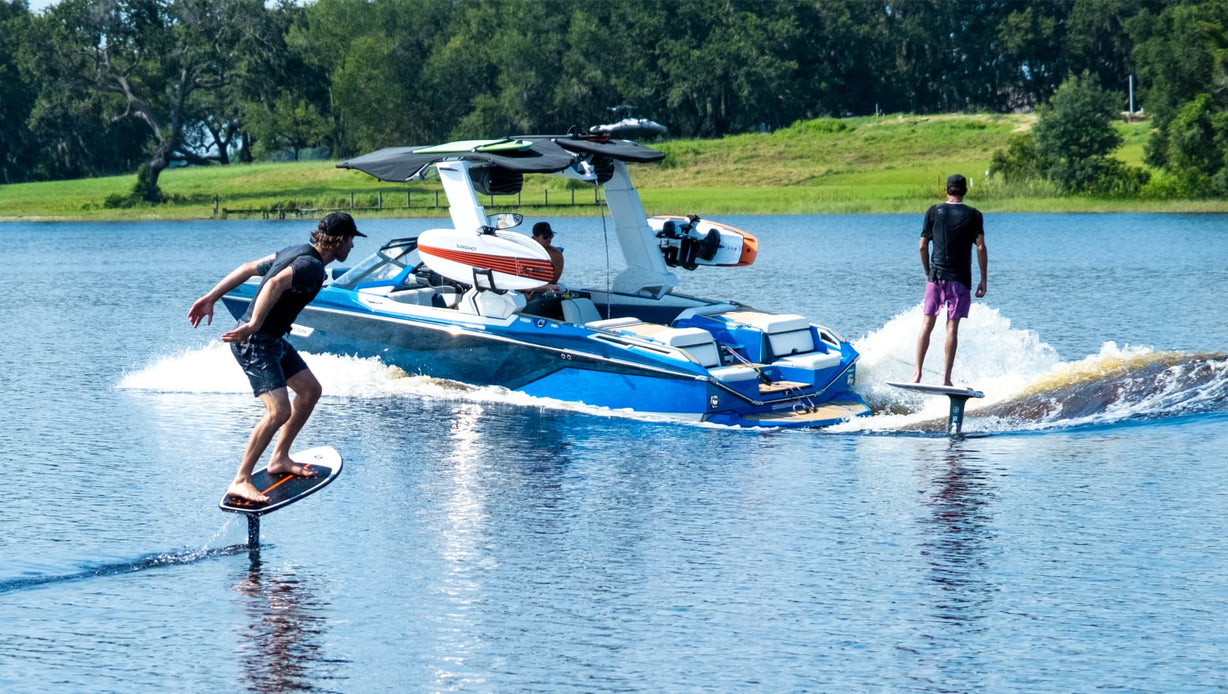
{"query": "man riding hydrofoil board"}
(292, 278)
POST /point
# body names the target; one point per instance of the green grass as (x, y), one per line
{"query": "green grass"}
(894, 163)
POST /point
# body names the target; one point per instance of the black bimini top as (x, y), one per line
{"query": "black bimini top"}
(522, 154)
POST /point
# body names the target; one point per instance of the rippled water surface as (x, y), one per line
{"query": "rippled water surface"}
(481, 541)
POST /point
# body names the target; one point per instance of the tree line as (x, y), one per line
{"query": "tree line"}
(98, 87)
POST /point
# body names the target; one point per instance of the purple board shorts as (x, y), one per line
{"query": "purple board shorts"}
(951, 293)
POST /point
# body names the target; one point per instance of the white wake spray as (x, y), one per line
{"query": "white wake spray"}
(212, 369)
(1026, 384)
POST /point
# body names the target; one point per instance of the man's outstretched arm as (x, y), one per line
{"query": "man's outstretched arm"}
(202, 308)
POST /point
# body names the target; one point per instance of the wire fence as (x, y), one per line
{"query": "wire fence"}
(382, 201)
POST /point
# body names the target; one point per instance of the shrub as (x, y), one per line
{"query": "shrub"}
(1020, 161)
(818, 126)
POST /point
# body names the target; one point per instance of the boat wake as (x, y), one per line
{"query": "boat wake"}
(152, 561)
(212, 369)
(1027, 385)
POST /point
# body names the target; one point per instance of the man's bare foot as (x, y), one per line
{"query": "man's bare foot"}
(287, 466)
(916, 377)
(246, 492)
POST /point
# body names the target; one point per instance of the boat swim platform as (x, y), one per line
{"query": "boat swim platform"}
(827, 412)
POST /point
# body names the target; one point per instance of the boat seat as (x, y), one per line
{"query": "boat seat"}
(787, 333)
(612, 323)
(420, 296)
(580, 310)
(387, 295)
(491, 304)
(446, 297)
(705, 310)
(734, 374)
(696, 342)
(815, 361)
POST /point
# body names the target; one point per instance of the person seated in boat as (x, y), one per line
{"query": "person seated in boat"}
(544, 301)
(543, 234)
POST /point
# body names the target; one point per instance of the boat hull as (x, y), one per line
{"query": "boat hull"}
(545, 359)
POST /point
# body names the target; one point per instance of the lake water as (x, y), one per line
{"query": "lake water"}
(483, 541)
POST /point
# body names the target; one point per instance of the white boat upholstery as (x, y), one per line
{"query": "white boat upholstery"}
(733, 374)
(491, 304)
(787, 333)
(612, 323)
(791, 343)
(581, 311)
(696, 342)
(450, 295)
(705, 310)
(815, 360)
(414, 296)
(420, 296)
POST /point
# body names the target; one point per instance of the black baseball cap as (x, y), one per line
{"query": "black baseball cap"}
(542, 228)
(340, 224)
(957, 182)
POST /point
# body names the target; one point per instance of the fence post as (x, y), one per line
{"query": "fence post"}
(407, 199)
(573, 196)
(547, 192)
(216, 202)
(436, 198)
(379, 199)
(351, 200)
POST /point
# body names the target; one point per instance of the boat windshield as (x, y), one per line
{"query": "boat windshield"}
(385, 264)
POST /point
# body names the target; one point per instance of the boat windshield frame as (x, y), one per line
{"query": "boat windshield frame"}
(394, 254)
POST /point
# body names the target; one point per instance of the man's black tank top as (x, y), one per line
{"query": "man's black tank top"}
(953, 228)
(308, 278)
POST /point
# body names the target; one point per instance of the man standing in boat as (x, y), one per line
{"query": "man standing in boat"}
(292, 278)
(954, 228)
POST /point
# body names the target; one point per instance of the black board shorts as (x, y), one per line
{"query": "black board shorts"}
(268, 361)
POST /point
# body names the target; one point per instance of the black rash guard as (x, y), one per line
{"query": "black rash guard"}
(953, 228)
(308, 278)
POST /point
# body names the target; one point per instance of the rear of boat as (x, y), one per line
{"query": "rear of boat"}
(745, 367)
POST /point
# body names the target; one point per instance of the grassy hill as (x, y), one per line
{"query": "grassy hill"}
(894, 163)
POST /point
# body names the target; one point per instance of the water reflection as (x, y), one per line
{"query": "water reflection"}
(464, 546)
(961, 533)
(280, 643)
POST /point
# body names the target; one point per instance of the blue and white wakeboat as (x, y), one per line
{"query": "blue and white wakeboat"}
(452, 302)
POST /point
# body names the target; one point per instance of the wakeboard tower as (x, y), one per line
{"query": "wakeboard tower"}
(285, 489)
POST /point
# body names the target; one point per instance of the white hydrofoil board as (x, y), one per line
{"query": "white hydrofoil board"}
(938, 390)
